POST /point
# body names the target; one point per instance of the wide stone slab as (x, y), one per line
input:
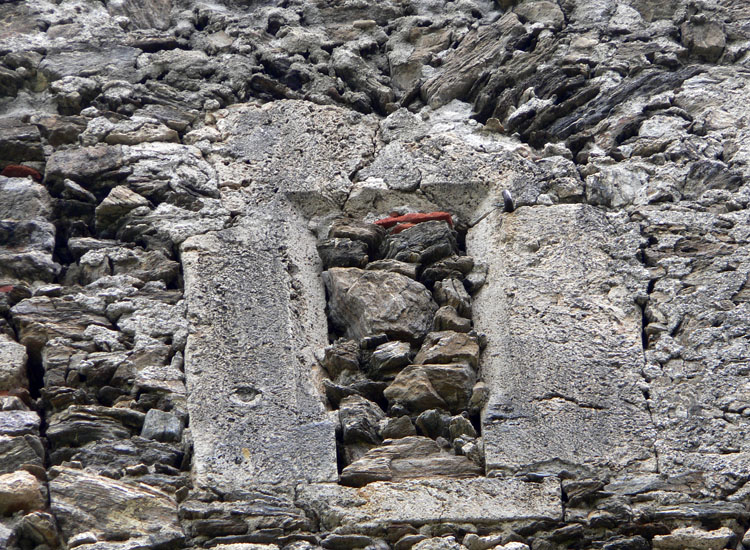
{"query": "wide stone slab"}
(256, 309)
(480, 501)
(564, 351)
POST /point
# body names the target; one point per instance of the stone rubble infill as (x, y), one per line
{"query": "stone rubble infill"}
(404, 361)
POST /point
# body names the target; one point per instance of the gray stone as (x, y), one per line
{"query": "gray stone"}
(480, 501)
(342, 356)
(434, 423)
(451, 292)
(447, 318)
(255, 412)
(449, 347)
(396, 428)
(395, 266)
(368, 233)
(20, 450)
(12, 364)
(359, 419)
(16, 423)
(83, 502)
(388, 359)
(342, 252)
(161, 426)
(423, 243)
(452, 267)
(407, 458)
(694, 538)
(422, 387)
(564, 347)
(363, 303)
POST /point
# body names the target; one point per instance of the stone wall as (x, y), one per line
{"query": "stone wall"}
(187, 197)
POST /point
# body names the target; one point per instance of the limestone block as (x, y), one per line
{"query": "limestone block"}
(564, 351)
(256, 307)
(479, 501)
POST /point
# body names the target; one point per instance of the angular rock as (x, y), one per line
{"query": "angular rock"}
(369, 389)
(343, 355)
(20, 491)
(449, 347)
(706, 41)
(451, 292)
(396, 428)
(12, 364)
(15, 452)
(452, 267)
(86, 502)
(359, 419)
(394, 266)
(15, 423)
(434, 423)
(422, 387)
(119, 202)
(363, 303)
(161, 426)
(407, 458)
(23, 200)
(388, 359)
(368, 233)
(90, 166)
(424, 243)
(694, 538)
(439, 543)
(342, 252)
(447, 318)
(19, 142)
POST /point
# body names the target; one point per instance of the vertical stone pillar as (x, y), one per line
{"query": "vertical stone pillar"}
(257, 313)
(564, 351)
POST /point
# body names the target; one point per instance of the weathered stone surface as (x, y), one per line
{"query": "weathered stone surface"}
(12, 364)
(161, 426)
(423, 243)
(388, 359)
(451, 292)
(396, 428)
(363, 303)
(84, 502)
(342, 252)
(395, 266)
(693, 538)
(564, 345)
(255, 412)
(478, 500)
(20, 450)
(422, 387)
(449, 347)
(359, 419)
(19, 491)
(16, 423)
(447, 318)
(407, 458)
(342, 355)
(368, 233)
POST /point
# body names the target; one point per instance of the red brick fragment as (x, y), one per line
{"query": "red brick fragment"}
(20, 171)
(6, 288)
(400, 227)
(415, 218)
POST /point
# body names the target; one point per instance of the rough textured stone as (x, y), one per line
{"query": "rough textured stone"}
(363, 303)
(244, 425)
(550, 382)
(19, 491)
(12, 364)
(449, 347)
(478, 501)
(422, 387)
(406, 458)
(84, 502)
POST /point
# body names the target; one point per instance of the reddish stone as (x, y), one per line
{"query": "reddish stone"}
(415, 218)
(6, 288)
(20, 171)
